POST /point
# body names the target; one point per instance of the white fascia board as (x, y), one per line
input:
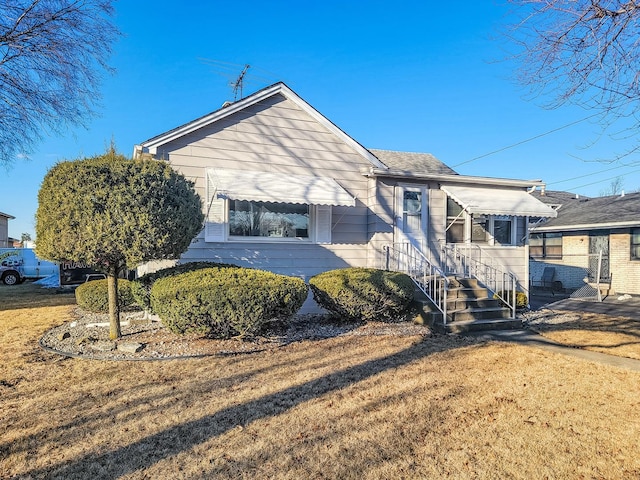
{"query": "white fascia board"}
(585, 226)
(453, 179)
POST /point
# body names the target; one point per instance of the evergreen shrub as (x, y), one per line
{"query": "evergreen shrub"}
(363, 294)
(94, 296)
(141, 287)
(225, 302)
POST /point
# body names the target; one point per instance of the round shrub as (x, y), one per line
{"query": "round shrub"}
(94, 296)
(141, 287)
(363, 294)
(226, 302)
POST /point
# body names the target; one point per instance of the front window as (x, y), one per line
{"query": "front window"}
(267, 219)
(635, 244)
(479, 230)
(545, 245)
(502, 231)
(455, 222)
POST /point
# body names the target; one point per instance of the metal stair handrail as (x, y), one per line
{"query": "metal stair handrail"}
(469, 260)
(431, 280)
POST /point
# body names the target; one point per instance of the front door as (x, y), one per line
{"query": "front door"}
(411, 217)
(599, 243)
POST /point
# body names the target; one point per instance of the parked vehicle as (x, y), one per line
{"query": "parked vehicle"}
(10, 275)
(26, 263)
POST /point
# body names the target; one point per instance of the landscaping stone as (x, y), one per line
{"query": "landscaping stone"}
(130, 347)
(103, 346)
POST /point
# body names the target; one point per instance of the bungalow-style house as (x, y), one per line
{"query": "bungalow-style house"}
(285, 190)
(593, 242)
(4, 230)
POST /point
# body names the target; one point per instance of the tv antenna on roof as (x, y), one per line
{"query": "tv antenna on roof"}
(238, 84)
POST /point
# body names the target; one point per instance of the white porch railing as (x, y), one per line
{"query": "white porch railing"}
(469, 260)
(430, 279)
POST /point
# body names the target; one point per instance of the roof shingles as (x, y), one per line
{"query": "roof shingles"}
(414, 163)
(600, 212)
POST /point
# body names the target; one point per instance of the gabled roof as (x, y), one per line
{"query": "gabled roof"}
(279, 88)
(615, 211)
(412, 163)
(6, 215)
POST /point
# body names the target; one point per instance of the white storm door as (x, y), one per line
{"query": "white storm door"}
(411, 216)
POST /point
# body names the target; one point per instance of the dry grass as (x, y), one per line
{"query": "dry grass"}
(609, 334)
(349, 407)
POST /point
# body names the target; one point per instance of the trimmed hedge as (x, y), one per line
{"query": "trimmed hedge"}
(141, 287)
(94, 296)
(363, 294)
(224, 302)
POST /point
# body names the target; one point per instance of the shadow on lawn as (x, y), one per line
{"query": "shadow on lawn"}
(146, 452)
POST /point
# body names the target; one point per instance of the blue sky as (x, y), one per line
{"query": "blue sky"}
(406, 75)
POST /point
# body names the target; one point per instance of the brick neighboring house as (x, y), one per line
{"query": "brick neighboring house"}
(4, 230)
(571, 243)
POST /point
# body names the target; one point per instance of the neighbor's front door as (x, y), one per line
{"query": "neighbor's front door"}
(411, 216)
(599, 243)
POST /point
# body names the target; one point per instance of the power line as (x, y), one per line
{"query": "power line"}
(527, 140)
(600, 181)
(588, 174)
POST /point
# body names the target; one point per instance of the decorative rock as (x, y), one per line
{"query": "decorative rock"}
(130, 347)
(63, 336)
(103, 346)
(85, 340)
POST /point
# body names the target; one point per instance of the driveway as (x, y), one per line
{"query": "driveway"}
(629, 308)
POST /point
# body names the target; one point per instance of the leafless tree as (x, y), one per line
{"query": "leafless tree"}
(584, 52)
(52, 57)
(615, 187)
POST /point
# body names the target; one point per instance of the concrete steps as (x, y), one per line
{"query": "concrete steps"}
(469, 309)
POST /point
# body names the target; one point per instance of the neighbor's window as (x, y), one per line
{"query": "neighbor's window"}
(635, 244)
(266, 219)
(546, 245)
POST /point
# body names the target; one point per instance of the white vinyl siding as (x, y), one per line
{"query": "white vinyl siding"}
(277, 136)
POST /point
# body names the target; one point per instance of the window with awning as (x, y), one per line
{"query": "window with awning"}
(267, 205)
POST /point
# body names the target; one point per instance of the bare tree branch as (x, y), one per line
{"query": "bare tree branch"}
(52, 56)
(584, 52)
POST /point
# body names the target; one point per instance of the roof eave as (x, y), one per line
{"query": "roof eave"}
(585, 226)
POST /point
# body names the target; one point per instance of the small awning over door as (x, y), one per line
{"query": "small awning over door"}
(498, 201)
(277, 187)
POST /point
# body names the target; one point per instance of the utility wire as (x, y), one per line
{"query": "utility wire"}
(527, 140)
(600, 181)
(589, 174)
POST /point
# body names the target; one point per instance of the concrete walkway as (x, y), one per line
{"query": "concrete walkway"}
(529, 338)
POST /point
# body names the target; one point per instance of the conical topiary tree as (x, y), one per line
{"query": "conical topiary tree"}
(114, 213)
